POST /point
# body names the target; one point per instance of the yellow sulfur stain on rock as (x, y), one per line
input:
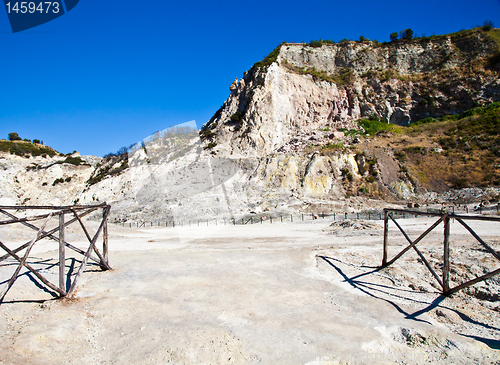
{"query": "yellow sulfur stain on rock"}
(318, 185)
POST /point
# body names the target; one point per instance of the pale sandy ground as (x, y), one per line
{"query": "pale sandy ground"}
(288, 293)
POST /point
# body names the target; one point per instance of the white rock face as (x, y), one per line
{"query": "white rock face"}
(182, 183)
(8, 170)
(287, 105)
(34, 181)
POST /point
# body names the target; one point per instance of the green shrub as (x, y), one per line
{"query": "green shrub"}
(77, 161)
(236, 117)
(461, 183)
(315, 43)
(207, 134)
(57, 181)
(400, 156)
(347, 174)
(333, 146)
(319, 43)
(210, 145)
(13, 136)
(416, 149)
(424, 121)
(488, 25)
(406, 34)
(372, 127)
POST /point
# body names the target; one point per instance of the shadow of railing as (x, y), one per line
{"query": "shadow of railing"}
(377, 291)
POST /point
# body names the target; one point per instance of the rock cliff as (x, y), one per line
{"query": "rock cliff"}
(284, 103)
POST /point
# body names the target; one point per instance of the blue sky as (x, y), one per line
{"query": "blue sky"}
(110, 73)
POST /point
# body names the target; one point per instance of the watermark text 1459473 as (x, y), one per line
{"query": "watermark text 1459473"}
(24, 7)
(28, 14)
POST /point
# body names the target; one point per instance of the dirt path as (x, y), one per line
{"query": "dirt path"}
(262, 294)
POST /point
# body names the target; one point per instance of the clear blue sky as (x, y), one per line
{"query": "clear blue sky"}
(110, 73)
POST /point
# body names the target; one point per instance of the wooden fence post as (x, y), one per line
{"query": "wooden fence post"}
(62, 253)
(386, 236)
(105, 244)
(446, 256)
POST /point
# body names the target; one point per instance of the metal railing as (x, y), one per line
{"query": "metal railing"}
(264, 218)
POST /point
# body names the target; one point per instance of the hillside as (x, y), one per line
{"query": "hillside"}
(305, 130)
(437, 155)
(26, 148)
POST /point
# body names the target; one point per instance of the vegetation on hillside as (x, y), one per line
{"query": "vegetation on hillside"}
(111, 165)
(374, 125)
(408, 35)
(460, 150)
(269, 59)
(26, 148)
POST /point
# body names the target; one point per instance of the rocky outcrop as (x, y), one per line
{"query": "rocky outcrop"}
(39, 180)
(304, 91)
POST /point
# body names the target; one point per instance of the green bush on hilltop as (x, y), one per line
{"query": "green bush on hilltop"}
(488, 25)
(13, 136)
(320, 42)
(404, 35)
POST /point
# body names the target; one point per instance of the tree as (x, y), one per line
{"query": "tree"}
(408, 34)
(36, 141)
(394, 36)
(14, 137)
(122, 151)
(488, 25)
